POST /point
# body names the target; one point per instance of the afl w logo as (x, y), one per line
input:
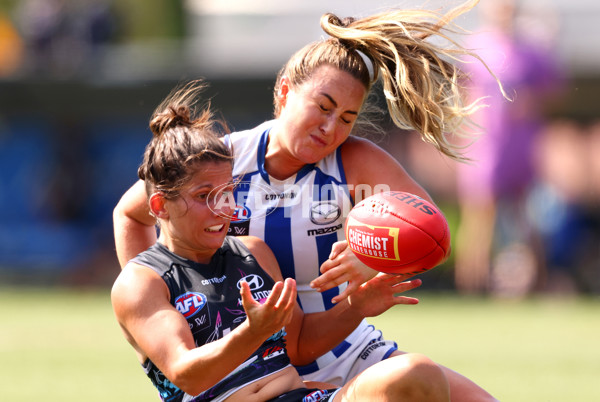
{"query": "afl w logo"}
(189, 304)
(324, 213)
(255, 282)
(247, 199)
(240, 213)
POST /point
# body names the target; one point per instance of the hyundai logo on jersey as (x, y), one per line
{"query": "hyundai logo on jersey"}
(190, 303)
(324, 212)
(255, 282)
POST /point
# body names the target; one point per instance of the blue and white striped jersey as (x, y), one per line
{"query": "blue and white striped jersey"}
(299, 218)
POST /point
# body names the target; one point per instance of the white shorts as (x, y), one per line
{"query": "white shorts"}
(362, 349)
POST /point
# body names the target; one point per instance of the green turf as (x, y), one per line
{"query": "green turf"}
(544, 349)
(65, 346)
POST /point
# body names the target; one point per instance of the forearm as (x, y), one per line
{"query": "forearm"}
(321, 332)
(131, 238)
(198, 369)
(134, 227)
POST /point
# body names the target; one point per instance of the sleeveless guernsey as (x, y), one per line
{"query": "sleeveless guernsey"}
(299, 218)
(208, 297)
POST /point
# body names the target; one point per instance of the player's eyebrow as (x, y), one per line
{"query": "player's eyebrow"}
(336, 105)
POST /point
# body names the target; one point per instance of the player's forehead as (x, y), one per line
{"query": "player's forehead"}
(210, 174)
(334, 84)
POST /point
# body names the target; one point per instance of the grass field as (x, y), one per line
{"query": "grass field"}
(64, 345)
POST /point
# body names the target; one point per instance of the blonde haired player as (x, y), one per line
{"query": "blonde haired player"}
(308, 159)
(210, 316)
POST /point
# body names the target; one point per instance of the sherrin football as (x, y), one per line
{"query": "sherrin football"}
(398, 232)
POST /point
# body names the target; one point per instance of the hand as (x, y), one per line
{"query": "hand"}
(275, 313)
(342, 266)
(380, 293)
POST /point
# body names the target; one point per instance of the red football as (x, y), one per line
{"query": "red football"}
(398, 232)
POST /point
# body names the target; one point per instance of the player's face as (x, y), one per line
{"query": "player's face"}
(318, 115)
(198, 219)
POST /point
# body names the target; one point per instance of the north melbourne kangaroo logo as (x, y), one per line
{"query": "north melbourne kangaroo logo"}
(324, 213)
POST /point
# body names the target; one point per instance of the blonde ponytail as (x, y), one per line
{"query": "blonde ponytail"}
(421, 81)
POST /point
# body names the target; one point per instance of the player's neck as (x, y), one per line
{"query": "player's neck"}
(279, 163)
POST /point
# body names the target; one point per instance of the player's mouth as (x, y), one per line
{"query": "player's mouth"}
(215, 228)
(318, 140)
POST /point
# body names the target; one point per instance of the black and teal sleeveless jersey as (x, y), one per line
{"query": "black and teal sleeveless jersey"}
(208, 296)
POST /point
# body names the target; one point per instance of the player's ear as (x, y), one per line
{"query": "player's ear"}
(284, 89)
(157, 205)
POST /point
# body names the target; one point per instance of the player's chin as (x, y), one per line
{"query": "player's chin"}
(313, 153)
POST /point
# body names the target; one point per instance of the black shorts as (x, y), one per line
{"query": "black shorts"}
(306, 395)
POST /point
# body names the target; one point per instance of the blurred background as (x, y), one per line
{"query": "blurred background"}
(80, 78)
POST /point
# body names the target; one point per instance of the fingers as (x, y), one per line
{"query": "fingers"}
(403, 287)
(351, 288)
(405, 300)
(282, 297)
(338, 253)
(330, 279)
(408, 285)
(405, 276)
(247, 300)
(274, 312)
(275, 294)
(328, 265)
(287, 297)
(337, 248)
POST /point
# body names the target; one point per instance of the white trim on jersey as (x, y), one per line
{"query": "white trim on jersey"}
(299, 218)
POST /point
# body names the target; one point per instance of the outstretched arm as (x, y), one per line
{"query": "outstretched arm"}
(159, 332)
(369, 169)
(317, 333)
(134, 227)
(311, 335)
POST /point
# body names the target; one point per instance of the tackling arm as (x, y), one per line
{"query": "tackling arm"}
(134, 227)
(312, 335)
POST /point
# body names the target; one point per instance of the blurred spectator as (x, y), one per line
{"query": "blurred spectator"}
(11, 47)
(557, 203)
(496, 246)
(62, 35)
(593, 151)
(590, 266)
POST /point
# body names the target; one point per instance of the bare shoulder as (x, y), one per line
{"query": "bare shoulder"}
(356, 146)
(263, 254)
(360, 155)
(366, 163)
(133, 283)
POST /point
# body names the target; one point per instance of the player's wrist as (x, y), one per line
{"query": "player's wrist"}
(350, 309)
